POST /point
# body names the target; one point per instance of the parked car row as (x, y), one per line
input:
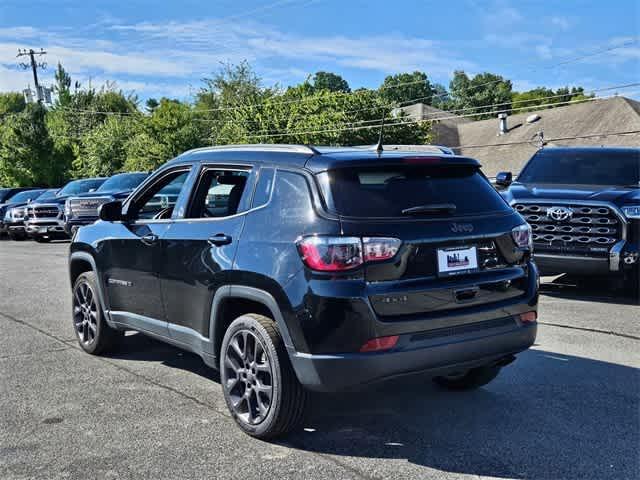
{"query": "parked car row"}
(48, 214)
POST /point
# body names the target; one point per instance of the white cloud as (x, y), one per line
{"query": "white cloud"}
(152, 55)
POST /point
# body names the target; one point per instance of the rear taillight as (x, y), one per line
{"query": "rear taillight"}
(331, 254)
(337, 254)
(522, 236)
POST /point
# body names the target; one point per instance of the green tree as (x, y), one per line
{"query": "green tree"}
(167, 132)
(11, 102)
(151, 104)
(104, 148)
(484, 93)
(532, 100)
(441, 98)
(26, 150)
(330, 81)
(407, 89)
(62, 86)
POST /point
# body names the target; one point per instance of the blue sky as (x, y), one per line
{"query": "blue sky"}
(164, 48)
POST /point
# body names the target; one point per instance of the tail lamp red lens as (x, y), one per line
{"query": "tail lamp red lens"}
(379, 344)
(336, 254)
(528, 317)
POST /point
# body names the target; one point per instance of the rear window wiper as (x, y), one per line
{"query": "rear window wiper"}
(432, 208)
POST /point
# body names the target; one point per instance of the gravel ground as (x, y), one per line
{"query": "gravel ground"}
(568, 408)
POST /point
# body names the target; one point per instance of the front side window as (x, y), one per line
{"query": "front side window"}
(219, 193)
(158, 201)
(404, 191)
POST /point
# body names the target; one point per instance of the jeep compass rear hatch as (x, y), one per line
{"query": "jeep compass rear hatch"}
(458, 243)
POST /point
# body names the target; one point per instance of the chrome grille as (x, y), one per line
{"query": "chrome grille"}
(45, 211)
(87, 207)
(585, 228)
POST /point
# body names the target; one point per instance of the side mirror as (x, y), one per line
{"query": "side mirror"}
(504, 179)
(92, 190)
(110, 211)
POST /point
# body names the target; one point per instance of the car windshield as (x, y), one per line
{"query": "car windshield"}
(399, 191)
(80, 186)
(583, 167)
(47, 195)
(122, 182)
(4, 194)
(25, 196)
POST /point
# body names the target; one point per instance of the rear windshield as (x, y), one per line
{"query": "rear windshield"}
(583, 167)
(388, 191)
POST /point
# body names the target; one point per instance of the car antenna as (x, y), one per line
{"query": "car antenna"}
(379, 148)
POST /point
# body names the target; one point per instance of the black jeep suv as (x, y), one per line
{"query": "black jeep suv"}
(583, 204)
(296, 269)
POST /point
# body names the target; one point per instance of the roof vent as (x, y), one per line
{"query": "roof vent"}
(533, 118)
(502, 118)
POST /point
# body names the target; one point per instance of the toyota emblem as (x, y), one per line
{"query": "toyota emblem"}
(559, 214)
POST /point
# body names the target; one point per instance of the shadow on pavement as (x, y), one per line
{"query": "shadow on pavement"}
(546, 416)
(598, 289)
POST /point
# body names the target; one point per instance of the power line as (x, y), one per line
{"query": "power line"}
(399, 85)
(400, 123)
(549, 140)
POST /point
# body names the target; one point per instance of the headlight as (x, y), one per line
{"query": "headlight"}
(632, 211)
(522, 236)
(67, 208)
(7, 215)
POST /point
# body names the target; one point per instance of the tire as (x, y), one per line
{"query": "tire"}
(470, 380)
(249, 375)
(94, 335)
(17, 237)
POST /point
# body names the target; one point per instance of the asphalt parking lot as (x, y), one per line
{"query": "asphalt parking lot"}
(568, 408)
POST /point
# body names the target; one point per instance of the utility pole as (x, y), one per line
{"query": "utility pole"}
(34, 67)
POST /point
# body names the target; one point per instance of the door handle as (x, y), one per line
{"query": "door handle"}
(219, 240)
(149, 239)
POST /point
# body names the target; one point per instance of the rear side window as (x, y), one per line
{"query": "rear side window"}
(263, 187)
(388, 191)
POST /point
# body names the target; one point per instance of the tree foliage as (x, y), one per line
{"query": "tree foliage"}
(11, 102)
(330, 81)
(103, 131)
(485, 92)
(26, 150)
(407, 89)
(533, 99)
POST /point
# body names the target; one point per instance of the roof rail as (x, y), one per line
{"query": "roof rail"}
(263, 147)
(422, 148)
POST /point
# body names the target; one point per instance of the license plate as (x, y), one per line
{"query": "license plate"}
(42, 230)
(452, 261)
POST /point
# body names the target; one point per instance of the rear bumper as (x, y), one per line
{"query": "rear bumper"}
(437, 345)
(435, 356)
